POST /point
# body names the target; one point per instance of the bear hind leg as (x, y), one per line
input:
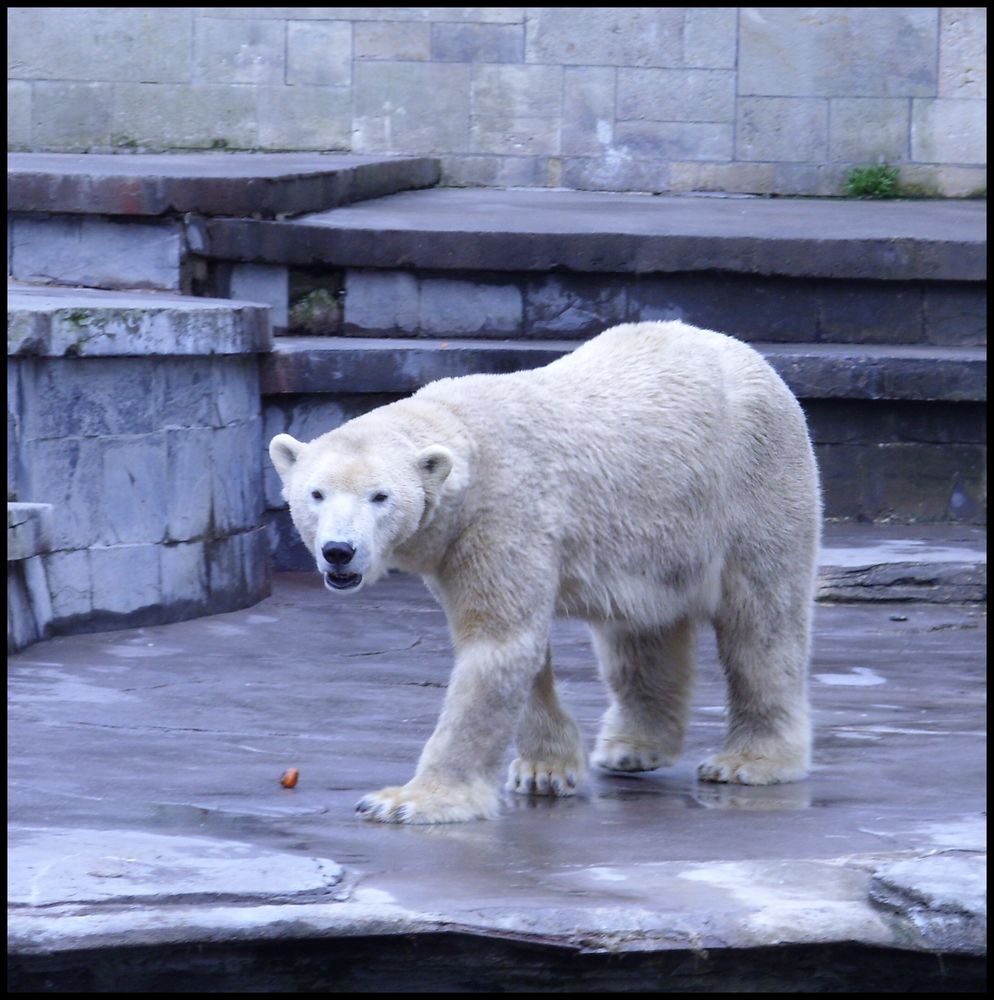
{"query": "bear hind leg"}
(551, 758)
(649, 673)
(765, 660)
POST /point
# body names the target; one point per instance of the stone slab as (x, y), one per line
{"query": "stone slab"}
(941, 564)
(542, 230)
(813, 371)
(97, 252)
(172, 740)
(267, 184)
(29, 530)
(98, 866)
(83, 322)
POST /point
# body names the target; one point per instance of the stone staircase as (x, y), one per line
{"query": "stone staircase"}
(376, 282)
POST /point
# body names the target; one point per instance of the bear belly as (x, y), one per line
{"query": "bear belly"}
(656, 600)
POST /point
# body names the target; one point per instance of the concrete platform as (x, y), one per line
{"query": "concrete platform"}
(148, 825)
(265, 184)
(542, 230)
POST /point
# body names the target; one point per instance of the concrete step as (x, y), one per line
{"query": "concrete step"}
(552, 264)
(266, 185)
(118, 221)
(813, 371)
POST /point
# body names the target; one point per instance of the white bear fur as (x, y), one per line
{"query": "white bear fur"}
(657, 477)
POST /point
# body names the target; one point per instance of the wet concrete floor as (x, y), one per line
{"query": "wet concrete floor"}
(145, 806)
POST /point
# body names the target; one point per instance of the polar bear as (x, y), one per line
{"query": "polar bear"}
(657, 477)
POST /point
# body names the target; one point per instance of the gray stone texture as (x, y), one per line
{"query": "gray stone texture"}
(733, 178)
(651, 141)
(319, 54)
(963, 52)
(955, 313)
(589, 98)
(126, 578)
(611, 36)
(135, 43)
(71, 114)
(469, 84)
(949, 131)
(303, 117)
(151, 460)
(496, 171)
(70, 585)
(97, 253)
(484, 43)
(869, 129)
(823, 51)
(91, 323)
(244, 51)
(18, 114)
(519, 136)
(465, 308)
(782, 129)
(525, 91)
(567, 305)
(676, 95)
(264, 283)
(617, 170)
(709, 37)
(386, 302)
(192, 116)
(29, 605)
(29, 530)
(407, 41)
(418, 107)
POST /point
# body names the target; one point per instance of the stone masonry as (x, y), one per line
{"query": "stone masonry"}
(137, 419)
(736, 99)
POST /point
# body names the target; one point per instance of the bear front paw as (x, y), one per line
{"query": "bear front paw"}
(541, 777)
(423, 804)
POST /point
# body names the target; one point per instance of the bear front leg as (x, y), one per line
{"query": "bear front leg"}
(457, 775)
(551, 758)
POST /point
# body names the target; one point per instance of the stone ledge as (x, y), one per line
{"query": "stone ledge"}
(813, 371)
(84, 322)
(266, 184)
(542, 230)
(29, 530)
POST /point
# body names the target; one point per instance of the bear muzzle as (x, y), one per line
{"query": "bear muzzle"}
(336, 556)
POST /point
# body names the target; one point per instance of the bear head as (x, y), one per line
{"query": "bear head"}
(355, 502)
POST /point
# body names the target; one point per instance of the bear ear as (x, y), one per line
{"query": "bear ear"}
(284, 450)
(435, 464)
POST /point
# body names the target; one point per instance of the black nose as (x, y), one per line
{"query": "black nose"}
(338, 553)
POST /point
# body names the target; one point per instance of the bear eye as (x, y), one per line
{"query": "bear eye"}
(317, 494)
(379, 498)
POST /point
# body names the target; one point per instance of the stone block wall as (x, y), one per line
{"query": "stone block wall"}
(736, 99)
(520, 305)
(145, 444)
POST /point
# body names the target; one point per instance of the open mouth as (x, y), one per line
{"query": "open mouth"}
(342, 581)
